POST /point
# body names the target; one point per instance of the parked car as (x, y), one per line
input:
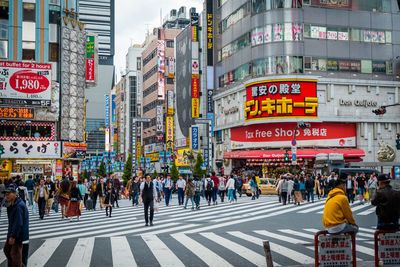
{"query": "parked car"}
(266, 185)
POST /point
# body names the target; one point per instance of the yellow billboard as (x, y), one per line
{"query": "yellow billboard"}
(195, 108)
(182, 157)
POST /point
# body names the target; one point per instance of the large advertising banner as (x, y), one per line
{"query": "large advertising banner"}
(210, 32)
(90, 62)
(74, 150)
(170, 133)
(31, 149)
(332, 3)
(182, 157)
(194, 138)
(23, 83)
(276, 135)
(281, 99)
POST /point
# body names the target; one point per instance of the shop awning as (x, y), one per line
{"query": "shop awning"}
(301, 153)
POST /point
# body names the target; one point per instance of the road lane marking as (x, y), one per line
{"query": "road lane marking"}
(82, 254)
(248, 254)
(163, 254)
(121, 252)
(205, 254)
(44, 252)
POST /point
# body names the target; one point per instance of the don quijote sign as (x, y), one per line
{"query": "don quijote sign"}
(25, 83)
(358, 103)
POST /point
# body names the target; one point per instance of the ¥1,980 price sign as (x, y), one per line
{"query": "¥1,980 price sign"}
(25, 83)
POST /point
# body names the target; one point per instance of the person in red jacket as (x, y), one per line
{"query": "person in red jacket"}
(215, 189)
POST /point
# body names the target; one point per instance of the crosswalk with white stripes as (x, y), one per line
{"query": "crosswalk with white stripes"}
(180, 237)
(232, 248)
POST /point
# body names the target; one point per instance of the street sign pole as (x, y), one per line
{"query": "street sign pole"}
(210, 144)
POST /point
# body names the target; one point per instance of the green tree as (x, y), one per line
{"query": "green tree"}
(197, 167)
(102, 170)
(174, 172)
(128, 170)
(154, 175)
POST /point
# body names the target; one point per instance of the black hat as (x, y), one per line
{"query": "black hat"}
(383, 177)
(339, 182)
(11, 189)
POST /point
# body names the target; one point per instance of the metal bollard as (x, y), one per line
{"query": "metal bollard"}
(268, 255)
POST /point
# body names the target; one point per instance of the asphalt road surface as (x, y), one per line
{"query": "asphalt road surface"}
(222, 235)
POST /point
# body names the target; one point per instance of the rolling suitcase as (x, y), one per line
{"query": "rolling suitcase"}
(89, 204)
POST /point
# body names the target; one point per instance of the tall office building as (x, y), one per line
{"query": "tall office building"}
(98, 15)
(329, 63)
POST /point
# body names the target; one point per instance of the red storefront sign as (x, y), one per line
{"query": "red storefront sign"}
(195, 88)
(280, 135)
(281, 99)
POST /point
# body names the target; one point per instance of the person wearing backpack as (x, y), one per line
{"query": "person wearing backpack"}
(209, 186)
(230, 186)
(238, 184)
(22, 191)
(222, 188)
(198, 188)
(310, 183)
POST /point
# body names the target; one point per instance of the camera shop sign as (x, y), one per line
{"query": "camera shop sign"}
(358, 103)
(276, 99)
(25, 83)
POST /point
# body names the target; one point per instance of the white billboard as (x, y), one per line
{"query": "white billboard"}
(31, 149)
(24, 83)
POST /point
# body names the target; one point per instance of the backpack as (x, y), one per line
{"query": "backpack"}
(197, 186)
(209, 186)
(238, 182)
(21, 194)
(221, 184)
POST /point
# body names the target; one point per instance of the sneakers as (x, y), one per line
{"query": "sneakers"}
(146, 224)
(151, 224)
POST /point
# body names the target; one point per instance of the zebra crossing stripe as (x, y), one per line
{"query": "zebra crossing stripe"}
(281, 237)
(137, 228)
(82, 253)
(206, 255)
(2, 256)
(367, 230)
(312, 209)
(163, 254)
(248, 254)
(170, 229)
(44, 252)
(284, 251)
(121, 252)
(358, 208)
(368, 211)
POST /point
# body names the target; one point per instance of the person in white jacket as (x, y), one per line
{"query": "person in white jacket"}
(290, 187)
(24, 194)
(230, 186)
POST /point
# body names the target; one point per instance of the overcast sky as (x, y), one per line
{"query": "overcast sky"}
(134, 17)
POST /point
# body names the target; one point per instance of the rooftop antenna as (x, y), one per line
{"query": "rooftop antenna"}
(147, 29)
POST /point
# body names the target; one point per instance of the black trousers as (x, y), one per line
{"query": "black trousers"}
(108, 211)
(208, 196)
(41, 205)
(148, 203)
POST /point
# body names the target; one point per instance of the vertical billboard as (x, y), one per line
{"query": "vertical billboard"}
(171, 67)
(170, 102)
(161, 63)
(90, 62)
(160, 122)
(194, 138)
(107, 111)
(170, 133)
(210, 32)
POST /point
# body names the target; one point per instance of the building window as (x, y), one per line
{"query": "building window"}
(3, 49)
(54, 52)
(170, 80)
(28, 12)
(54, 14)
(138, 63)
(28, 54)
(170, 44)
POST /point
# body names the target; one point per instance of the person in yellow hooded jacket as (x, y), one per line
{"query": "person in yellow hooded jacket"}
(338, 217)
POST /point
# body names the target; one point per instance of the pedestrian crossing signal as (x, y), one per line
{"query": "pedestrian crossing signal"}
(286, 157)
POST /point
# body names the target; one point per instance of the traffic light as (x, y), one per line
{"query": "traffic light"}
(379, 111)
(286, 157)
(303, 125)
(1, 150)
(398, 141)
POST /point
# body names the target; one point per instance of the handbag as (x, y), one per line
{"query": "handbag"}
(54, 206)
(74, 199)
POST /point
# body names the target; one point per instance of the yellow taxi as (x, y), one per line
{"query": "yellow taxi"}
(266, 185)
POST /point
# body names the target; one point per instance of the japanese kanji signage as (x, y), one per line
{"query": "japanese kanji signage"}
(210, 32)
(335, 250)
(24, 82)
(170, 133)
(17, 113)
(170, 103)
(195, 69)
(281, 134)
(90, 62)
(195, 108)
(31, 149)
(281, 99)
(195, 88)
(389, 248)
